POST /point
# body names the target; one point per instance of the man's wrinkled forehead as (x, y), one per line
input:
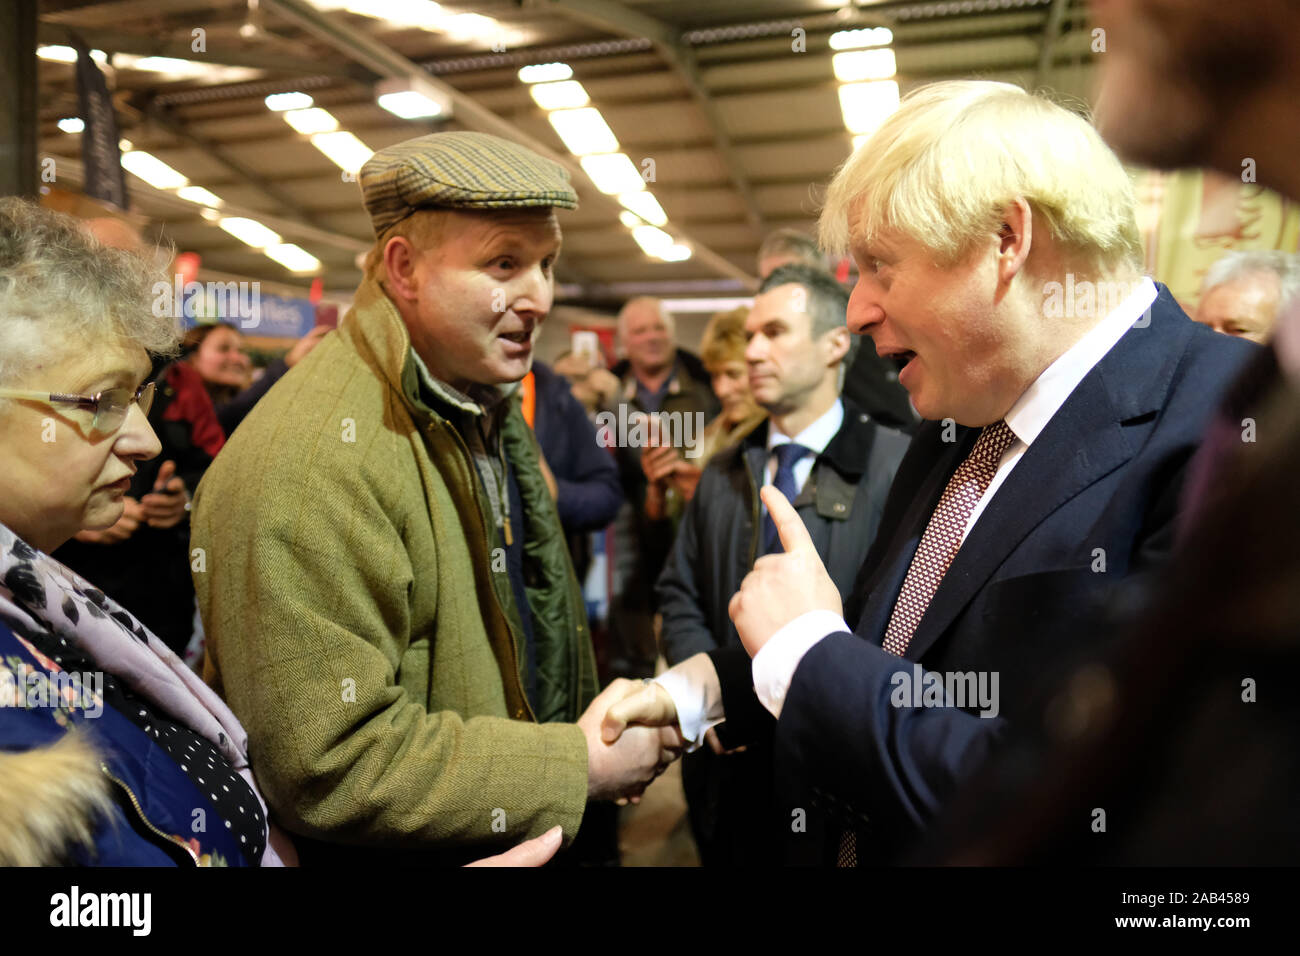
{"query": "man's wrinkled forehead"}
(866, 233)
(540, 224)
(475, 231)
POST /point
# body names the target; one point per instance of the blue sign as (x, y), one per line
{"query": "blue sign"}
(242, 304)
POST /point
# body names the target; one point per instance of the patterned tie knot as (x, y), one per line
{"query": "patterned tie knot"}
(994, 440)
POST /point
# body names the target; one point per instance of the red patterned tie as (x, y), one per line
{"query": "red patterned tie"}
(943, 535)
(939, 545)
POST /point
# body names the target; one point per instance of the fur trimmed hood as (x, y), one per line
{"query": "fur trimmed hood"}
(51, 802)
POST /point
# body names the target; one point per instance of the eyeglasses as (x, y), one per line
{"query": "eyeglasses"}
(110, 407)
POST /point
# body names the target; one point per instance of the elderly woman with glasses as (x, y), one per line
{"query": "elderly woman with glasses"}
(111, 750)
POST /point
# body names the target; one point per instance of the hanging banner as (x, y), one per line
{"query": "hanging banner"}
(1191, 218)
(100, 153)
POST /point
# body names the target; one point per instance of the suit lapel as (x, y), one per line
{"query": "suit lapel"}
(1082, 443)
(884, 583)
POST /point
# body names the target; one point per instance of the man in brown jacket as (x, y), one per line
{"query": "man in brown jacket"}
(389, 605)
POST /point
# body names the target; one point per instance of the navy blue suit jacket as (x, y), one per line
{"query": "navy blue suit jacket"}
(1089, 506)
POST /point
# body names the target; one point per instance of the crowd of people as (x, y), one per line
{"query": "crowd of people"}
(940, 598)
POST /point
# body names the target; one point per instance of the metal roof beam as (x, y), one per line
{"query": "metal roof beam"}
(1051, 30)
(141, 45)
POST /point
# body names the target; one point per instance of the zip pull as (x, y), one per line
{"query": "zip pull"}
(505, 525)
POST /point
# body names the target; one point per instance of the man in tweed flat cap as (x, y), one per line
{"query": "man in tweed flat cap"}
(389, 605)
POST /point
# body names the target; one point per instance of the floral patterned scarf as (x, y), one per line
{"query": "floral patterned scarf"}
(37, 592)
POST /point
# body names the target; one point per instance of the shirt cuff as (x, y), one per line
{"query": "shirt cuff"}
(777, 660)
(697, 695)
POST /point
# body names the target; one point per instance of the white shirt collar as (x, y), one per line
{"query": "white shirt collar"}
(1043, 399)
(816, 436)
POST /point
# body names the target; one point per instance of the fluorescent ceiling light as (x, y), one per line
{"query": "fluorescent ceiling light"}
(65, 54)
(856, 39)
(652, 240)
(677, 252)
(164, 64)
(314, 120)
(124, 145)
(57, 53)
(413, 98)
(190, 69)
(407, 13)
(613, 173)
(583, 131)
(249, 231)
(72, 124)
(292, 257)
(645, 205)
(631, 220)
(279, 102)
(545, 72)
(153, 170)
(409, 104)
(343, 149)
(467, 25)
(866, 105)
(857, 65)
(199, 195)
(562, 95)
(211, 215)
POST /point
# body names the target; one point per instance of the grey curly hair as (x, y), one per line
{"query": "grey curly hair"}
(61, 288)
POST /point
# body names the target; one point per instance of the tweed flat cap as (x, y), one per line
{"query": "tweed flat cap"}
(459, 170)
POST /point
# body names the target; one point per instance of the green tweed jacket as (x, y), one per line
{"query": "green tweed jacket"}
(355, 623)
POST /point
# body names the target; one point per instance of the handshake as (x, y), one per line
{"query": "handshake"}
(632, 737)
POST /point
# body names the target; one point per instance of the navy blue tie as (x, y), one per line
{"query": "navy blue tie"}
(786, 456)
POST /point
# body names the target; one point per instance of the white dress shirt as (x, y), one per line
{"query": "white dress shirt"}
(692, 684)
(815, 437)
(775, 663)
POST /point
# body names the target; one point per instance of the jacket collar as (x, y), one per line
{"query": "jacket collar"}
(847, 451)
(376, 326)
(832, 486)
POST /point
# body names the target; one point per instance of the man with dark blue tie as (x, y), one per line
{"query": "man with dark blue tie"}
(835, 463)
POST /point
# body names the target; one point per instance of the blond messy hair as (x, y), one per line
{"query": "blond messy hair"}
(424, 228)
(942, 169)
